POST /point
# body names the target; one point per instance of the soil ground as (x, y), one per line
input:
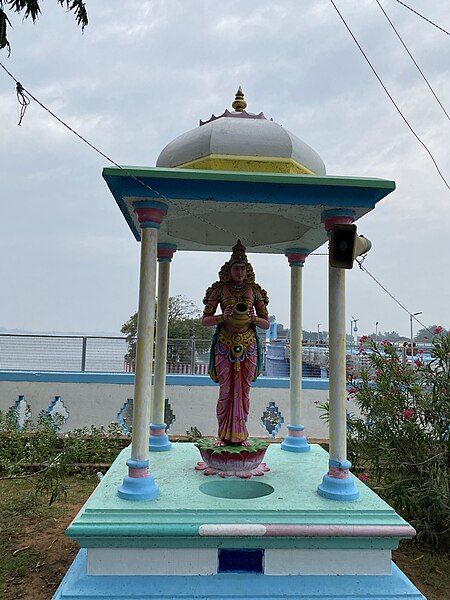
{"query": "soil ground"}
(35, 554)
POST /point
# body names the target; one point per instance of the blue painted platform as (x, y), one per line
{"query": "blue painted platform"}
(172, 547)
(77, 585)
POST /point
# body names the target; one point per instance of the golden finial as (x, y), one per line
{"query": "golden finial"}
(239, 103)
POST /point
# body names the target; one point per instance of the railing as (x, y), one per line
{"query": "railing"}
(36, 352)
(77, 353)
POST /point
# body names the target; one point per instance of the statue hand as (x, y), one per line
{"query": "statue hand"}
(252, 313)
(227, 312)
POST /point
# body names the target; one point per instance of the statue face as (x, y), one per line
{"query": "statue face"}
(238, 273)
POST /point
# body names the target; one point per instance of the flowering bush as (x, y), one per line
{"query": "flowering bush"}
(401, 444)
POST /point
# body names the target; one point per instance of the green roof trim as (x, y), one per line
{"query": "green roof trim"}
(239, 176)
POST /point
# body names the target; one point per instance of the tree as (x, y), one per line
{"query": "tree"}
(181, 308)
(183, 323)
(427, 333)
(31, 8)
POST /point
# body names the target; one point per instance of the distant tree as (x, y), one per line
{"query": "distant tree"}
(427, 333)
(188, 327)
(31, 8)
(390, 336)
(181, 308)
(183, 323)
(313, 337)
(130, 330)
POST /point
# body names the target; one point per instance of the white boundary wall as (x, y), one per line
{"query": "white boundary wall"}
(97, 398)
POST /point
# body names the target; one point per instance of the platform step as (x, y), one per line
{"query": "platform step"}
(233, 586)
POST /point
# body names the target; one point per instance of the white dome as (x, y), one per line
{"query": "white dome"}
(240, 134)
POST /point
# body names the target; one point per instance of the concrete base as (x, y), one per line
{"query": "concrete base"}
(208, 537)
(233, 586)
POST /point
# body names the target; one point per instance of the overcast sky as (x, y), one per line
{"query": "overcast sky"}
(143, 72)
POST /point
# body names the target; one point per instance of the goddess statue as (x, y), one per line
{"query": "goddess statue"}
(235, 357)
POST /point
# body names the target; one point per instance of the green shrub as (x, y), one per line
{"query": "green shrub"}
(37, 451)
(400, 446)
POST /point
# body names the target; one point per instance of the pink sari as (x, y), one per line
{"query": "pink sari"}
(235, 379)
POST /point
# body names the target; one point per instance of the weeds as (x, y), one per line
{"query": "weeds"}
(37, 452)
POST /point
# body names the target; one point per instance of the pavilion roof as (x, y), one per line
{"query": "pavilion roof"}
(270, 212)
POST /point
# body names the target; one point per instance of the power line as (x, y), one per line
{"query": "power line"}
(360, 263)
(413, 59)
(422, 17)
(23, 96)
(21, 91)
(389, 95)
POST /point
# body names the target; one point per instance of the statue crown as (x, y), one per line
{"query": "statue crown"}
(238, 254)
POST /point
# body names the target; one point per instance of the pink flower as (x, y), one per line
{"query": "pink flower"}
(364, 477)
(351, 390)
(408, 413)
(386, 343)
(438, 330)
(418, 362)
(377, 373)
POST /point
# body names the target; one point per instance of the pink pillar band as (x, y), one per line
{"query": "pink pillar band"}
(295, 433)
(166, 252)
(150, 214)
(328, 222)
(337, 473)
(158, 431)
(138, 473)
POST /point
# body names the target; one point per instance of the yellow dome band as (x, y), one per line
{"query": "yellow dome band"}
(252, 164)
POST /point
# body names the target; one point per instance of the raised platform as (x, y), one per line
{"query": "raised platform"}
(268, 537)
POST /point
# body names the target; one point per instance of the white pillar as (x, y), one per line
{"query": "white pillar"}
(144, 347)
(159, 441)
(139, 483)
(295, 441)
(337, 484)
(337, 365)
(296, 344)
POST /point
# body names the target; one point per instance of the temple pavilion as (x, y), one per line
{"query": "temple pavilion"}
(157, 528)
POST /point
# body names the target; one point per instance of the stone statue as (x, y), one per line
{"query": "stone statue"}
(235, 358)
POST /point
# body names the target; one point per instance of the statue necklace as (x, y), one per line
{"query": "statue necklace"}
(238, 290)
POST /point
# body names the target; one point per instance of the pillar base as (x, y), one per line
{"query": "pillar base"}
(295, 442)
(338, 489)
(159, 443)
(140, 487)
(158, 440)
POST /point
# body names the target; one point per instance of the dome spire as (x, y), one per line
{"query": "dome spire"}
(239, 103)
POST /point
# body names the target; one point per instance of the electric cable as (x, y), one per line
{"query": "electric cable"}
(413, 59)
(390, 96)
(360, 261)
(24, 96)
(422, 17)
(24, 101)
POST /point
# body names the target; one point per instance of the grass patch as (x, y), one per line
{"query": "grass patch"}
(34, 552)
